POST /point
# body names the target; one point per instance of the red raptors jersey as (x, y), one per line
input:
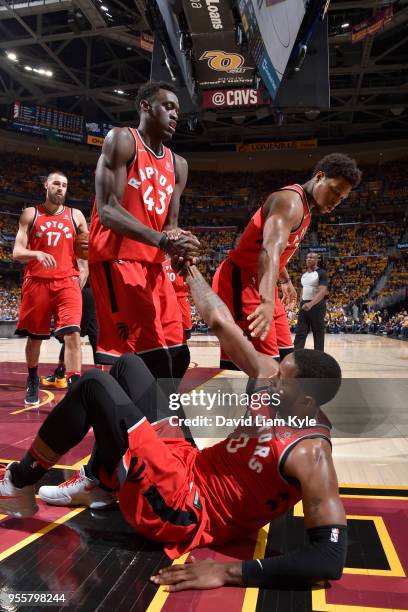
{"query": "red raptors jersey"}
(246, 253)
(53, 234)
(178, 282)
(241, 478)
(150, 185)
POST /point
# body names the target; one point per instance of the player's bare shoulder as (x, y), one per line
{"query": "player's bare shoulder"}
(307, 456)
(180, 165)
(285, 203)
(27, 216)
(119, 143)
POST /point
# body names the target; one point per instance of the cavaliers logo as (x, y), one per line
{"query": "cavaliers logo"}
(224, 62)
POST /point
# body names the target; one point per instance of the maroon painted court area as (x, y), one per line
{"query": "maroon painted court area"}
(18, 425)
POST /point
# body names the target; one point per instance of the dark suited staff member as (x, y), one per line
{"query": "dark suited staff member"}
(313, 304)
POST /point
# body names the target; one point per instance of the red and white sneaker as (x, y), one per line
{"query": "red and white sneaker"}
(14, 501)
(78, 491)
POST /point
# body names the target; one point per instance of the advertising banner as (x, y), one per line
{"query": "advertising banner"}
(370, 27)
(272, 146)
(228, 98)
(206, 16)
(220, 63)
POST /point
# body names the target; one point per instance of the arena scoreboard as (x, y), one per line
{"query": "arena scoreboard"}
(46, 121)
(55, 124)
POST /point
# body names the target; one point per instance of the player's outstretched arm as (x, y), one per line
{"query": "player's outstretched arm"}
(322, 558)
(217, 316)
(283, 212)
(20, 251)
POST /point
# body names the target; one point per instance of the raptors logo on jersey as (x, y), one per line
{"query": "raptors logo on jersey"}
(53, 234)
(147, 196)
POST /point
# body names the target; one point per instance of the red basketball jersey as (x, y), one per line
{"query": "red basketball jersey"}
(150, 185)
(242, 477)
(53, 234)
(246, 253)
(178, 282)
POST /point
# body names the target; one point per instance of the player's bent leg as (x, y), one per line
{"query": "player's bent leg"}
(141, 387)
(97, 401)
(159, 363)
(180, 358)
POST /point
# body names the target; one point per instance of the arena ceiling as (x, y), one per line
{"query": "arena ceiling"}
(91, 48)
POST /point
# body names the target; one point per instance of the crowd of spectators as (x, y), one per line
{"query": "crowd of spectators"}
(359, 238)
(398, 276)
(25, 174)
(10, 297)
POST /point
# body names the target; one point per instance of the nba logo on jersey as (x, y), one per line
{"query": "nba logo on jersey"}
(334, 535)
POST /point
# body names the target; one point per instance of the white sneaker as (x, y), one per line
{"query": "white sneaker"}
(78, 491)
(14, 501)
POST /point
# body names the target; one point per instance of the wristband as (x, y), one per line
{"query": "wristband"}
(164, 241)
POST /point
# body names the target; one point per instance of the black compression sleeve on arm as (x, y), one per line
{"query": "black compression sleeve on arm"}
(323, 558)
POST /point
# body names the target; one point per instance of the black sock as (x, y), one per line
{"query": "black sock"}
(33, 372)
(27, 472)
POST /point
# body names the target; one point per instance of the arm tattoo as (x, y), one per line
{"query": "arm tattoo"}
(203, 296)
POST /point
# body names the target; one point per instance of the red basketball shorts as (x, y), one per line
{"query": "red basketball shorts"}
(43, 298)
(238, 288)
(159, 498)
(136, 308)
(184, 304)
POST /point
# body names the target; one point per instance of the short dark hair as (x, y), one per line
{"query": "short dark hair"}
(56, 172)
(321, 374)
(150, 89)
(338, 164)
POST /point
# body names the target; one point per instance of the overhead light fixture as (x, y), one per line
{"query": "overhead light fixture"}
(345, 25)
(12, 56)
(108, 15)
(41, 71)
(312, 114)
(119, 91)
(104, 8)
(397, 110)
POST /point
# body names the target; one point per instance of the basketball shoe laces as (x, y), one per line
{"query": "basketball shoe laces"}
(75, 478)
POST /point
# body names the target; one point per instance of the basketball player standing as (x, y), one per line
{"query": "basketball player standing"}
(247, 280)
(53, 278)
(138, 186)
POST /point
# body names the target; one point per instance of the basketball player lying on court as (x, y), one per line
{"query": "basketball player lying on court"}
(176, 494)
